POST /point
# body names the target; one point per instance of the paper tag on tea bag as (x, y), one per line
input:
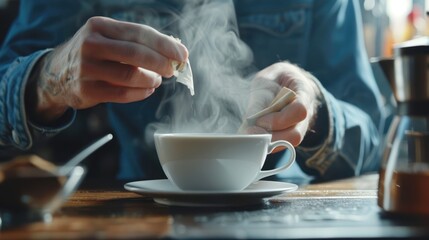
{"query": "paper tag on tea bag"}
(183, 73)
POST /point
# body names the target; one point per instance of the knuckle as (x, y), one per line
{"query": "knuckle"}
(90, 42)
(121, 94)
(84, 68)
(94, 23)
(128, 75)
(284, 77)
(132, 53)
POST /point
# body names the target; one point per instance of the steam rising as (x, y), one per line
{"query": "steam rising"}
(219, 60)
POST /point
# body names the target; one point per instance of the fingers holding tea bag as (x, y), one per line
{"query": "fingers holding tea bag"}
(281, 100)
(287, 113)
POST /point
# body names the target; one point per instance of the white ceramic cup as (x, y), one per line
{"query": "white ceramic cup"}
(217, 162)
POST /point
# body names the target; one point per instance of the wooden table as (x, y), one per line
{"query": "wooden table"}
(340, 209)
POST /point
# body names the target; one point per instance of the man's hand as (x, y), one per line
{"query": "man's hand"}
(105, 61)
(293, 121)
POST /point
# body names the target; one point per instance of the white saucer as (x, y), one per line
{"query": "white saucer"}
(164, 192)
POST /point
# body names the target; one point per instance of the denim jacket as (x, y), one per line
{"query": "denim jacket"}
(323, 37)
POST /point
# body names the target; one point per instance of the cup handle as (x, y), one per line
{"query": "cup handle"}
(271, 147)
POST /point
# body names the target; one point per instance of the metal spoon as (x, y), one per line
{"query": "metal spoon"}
(66, 168)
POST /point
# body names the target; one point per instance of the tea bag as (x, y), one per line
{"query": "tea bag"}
(183, 73)
(281, 100)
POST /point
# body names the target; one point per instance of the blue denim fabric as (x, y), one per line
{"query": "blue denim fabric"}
(322, 37)
(15, 129)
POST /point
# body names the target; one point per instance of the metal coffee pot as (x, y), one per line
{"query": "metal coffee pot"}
(404, 173)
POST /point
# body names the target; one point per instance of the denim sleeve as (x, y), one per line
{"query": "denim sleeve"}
(351, 116)
(31, 36)
(325, 38)
(15, 128)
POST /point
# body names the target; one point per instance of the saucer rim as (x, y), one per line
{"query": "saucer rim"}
(210, 199)
(280, 188)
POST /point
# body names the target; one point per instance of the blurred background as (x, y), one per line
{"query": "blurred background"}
(385, 23)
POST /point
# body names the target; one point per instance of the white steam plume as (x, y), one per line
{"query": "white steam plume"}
(219, 60)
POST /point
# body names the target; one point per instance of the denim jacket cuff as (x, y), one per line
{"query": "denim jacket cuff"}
(64, 122)
(315, 156)
(15, 127)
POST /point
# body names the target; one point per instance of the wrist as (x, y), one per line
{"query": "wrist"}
(42, 103)
(318, 130)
